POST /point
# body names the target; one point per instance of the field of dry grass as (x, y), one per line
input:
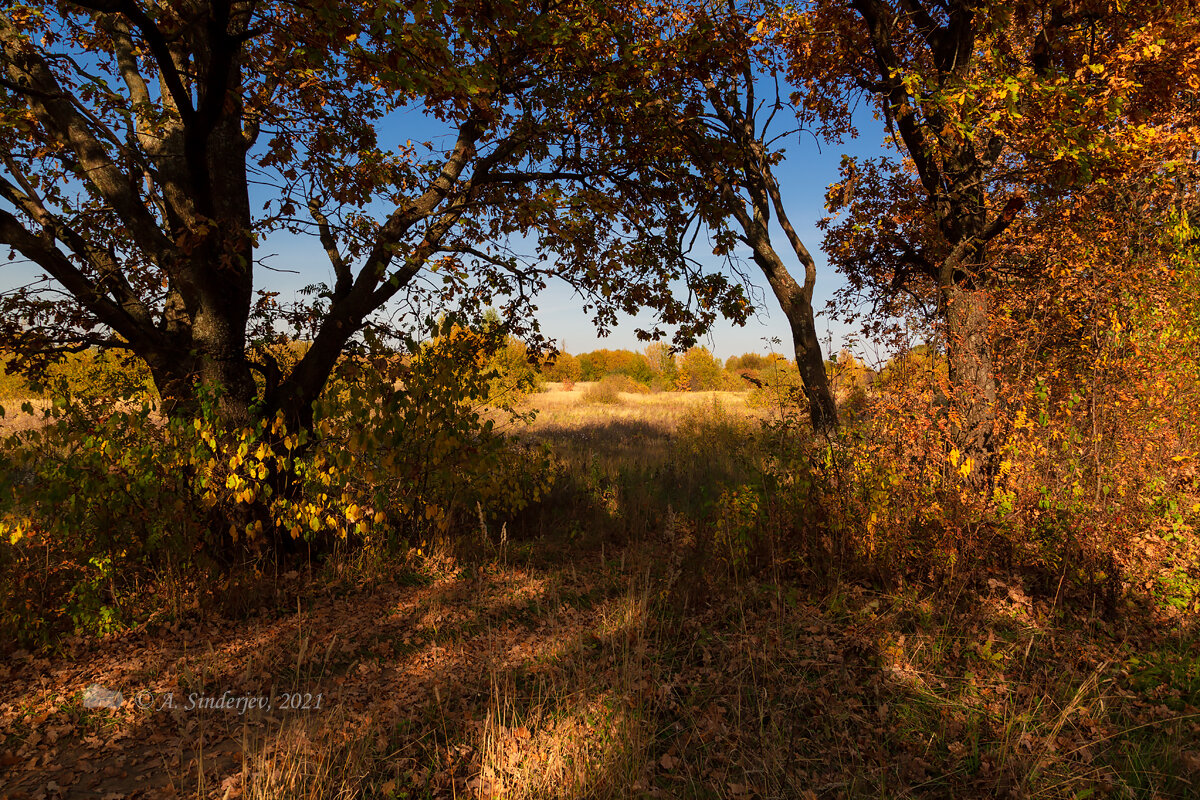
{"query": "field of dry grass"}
(16, 419)
(638, 428)
(606, 643)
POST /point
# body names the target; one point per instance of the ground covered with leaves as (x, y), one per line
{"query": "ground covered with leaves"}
(616, 641)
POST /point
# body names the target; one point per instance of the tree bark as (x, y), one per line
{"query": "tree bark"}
(797, 307)
(973, 389)
(796, 302)
(762, 195)
(954, 172)
(822, 405)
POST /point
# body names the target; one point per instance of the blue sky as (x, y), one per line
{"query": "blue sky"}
(808, 169)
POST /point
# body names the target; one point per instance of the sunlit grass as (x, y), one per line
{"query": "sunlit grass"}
(640, 633)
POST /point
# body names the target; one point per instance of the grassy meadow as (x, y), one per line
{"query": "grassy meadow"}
(673, 618)
(302, 496)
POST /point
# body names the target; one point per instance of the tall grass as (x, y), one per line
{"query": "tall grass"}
(708, 603)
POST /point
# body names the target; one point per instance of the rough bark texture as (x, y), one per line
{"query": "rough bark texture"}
(822, 405)
(796, 302)
(183, 202)
(972, 377)
(179, 187)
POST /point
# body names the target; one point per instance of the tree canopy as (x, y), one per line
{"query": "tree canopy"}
(151, 147)
(1000, 111)
(455, 155)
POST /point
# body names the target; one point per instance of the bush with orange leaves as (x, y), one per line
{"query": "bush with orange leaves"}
(1094, 491)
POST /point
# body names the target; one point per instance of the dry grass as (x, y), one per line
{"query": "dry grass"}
(614, 652)
(557, 406)
(305, 760)
(572, 736)
(633, 433)
(16, 420)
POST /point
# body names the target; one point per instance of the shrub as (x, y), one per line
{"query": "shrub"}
(661, 359)
(752, 362)
(12, 385)
(700, 371)
(565, 368)
(91, 374)
(609, 389)
(626, 384)
(514, 375)
(108, 494)
(599, 363)
(779, 387)
(88, 503)
(602, 392)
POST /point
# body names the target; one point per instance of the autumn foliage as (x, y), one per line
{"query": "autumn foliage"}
(968, 539)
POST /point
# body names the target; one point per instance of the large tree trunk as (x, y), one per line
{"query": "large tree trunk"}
(215, 370)
(223, 367)
(822, 406)
(751, 200)
(203, 357)
(973, 389)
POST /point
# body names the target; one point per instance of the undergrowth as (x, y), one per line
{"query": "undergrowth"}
(710, 603)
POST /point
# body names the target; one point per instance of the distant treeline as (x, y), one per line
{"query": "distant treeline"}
(697, 369)
(657, 368)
